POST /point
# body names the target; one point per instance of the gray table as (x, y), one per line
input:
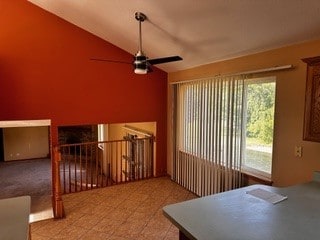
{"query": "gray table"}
(14, 218)
(238, 215)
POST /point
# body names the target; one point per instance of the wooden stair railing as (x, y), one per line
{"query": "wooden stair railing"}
(85, 166)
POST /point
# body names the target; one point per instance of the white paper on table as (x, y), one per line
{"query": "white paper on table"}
(267, 195)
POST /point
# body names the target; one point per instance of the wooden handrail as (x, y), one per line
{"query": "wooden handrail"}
(99, 142)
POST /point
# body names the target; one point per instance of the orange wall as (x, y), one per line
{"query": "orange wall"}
(46, 73)
(289, 113)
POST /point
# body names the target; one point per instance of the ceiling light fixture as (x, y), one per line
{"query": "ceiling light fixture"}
(140, 63)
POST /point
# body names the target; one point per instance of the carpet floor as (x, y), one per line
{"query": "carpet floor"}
(28, 177)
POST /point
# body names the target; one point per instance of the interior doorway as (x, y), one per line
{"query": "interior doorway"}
(26, 164)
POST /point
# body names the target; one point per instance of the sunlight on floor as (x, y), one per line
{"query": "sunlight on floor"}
(41, 215)
(41, 208)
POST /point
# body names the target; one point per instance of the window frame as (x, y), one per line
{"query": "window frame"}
(244, 168)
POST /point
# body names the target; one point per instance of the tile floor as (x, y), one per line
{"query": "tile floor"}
(122, 212)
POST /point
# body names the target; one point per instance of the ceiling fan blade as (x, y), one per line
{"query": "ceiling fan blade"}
(164, 60)
(108, 60)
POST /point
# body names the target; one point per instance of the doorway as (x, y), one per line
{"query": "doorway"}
(25, 165)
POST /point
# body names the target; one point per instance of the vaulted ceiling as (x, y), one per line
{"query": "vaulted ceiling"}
(200, 32)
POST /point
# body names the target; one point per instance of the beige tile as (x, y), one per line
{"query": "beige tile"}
(159, 224)
(49, 228)
(107, 225)
(172, 234)
(95, 235)
(123, 212)
(121, 238)
(153, 233)
(119, 214)
(101, 210)
(36, 236)
(71, 232)
(86, 221)
(36, 225)
(138, 216)
(130, 230)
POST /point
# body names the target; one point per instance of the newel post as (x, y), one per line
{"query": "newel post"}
(58, 210)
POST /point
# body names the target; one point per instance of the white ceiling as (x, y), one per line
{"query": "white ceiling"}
(200, 31)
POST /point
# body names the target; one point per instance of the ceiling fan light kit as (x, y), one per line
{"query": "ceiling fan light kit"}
(140, 63)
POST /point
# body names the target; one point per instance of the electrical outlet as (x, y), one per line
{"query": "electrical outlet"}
(298, 151)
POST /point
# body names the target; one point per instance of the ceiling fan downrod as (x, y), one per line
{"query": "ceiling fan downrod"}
(140, 60)
(140, 17)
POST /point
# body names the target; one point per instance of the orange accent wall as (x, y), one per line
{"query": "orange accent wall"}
(46, 73)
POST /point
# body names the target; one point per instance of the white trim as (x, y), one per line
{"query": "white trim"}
(25, 123)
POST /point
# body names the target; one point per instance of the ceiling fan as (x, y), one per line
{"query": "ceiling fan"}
(141, 63)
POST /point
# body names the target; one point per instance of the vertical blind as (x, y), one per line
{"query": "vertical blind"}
(208, 134)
